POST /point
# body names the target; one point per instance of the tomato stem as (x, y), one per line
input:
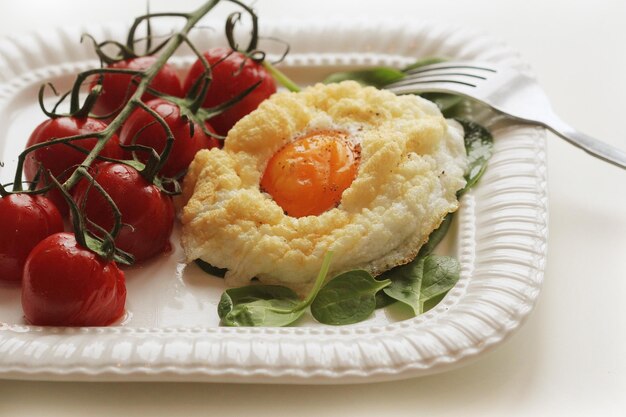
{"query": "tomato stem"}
(152, 168)
(281, 77)
(191, 107)
(146, 77)
(105, 246)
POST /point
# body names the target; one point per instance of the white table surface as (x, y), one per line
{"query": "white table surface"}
(570, 356)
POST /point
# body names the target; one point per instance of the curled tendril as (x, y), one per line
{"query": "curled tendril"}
(148, 30)
(80, 111)
(130, 40)
(82, 77)
(102, 241)
(169, 186)
(287, 47)
(123, 51)
(42, 90)
(154, 165)
(103, 245)
(231, 23)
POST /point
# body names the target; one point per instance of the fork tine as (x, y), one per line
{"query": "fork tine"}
(470, 74)
(443, 74)
(440, 86)
(469, 65)
(470, 80)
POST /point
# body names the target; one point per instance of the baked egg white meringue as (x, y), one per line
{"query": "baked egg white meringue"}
(344, 168)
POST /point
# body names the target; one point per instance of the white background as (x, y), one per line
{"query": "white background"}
(570, 356)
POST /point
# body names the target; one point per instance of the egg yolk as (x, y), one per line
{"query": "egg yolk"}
(307, 176)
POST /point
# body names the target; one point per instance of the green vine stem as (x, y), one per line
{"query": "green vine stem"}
(155, 167)
(103, 246)
(280, 77)
(174, 42)
(190, 107)
(82, 77)
(145, 77)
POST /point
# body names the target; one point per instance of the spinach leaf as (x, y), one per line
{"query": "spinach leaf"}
(406, 283)
(479, 148)
(377, 77)
(348, 298)
(436, 236)
(439, 276)
(383, 300)
(447, 103)
(423, 62)
(263, 313)
(232, 297)
(432, 303)
(210, 269)
(422, 281)
(267, 305)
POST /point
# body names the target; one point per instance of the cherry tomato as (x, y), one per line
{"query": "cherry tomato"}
(185, 146)
(147, 214)
(25, 220)
(68, 285)
(118, 88)
(59, 158)
(231, 77)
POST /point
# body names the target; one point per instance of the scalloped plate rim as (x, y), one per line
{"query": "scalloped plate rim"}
(290, 371)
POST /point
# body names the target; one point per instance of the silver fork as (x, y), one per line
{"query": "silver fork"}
(507, 91)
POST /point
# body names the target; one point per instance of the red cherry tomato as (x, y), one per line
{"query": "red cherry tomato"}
(147, 214)
(231, 77)
(185, 146)
(118, 88)
(68, 285)
(25, 220)
(59, 158)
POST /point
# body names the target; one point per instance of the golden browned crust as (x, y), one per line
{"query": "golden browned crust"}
(412, 164)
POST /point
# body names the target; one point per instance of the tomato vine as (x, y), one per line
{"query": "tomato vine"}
(191, 109)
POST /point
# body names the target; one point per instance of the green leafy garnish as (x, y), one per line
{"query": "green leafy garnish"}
(406, 282)
(210, 269)
(377, 77)
(479, 148)
(422, 280)
(447, 103)
(424, 62)
(383, 300)
(436, 236)
(256, 305)
(352, 296)
(348, 298)
(267, 305)
(441, 273)
(432, 303)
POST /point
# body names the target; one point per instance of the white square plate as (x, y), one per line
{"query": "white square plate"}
(171, 330)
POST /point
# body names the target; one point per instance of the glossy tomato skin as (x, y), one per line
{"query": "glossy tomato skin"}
(231, 77)
(185, 146)
(118, 88)
(59, 158)
(147, 214)
(68, 285)
(25, 220)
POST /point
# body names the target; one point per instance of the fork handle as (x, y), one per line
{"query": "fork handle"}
(588, 144)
